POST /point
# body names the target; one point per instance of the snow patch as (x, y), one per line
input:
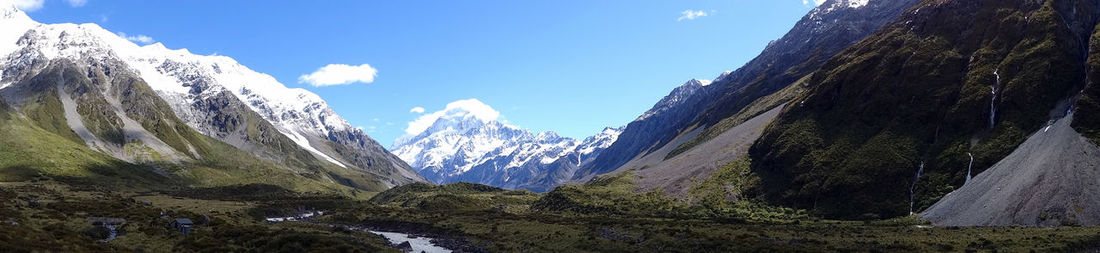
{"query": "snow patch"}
(304, 143)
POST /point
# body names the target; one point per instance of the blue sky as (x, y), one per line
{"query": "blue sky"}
(573, 67)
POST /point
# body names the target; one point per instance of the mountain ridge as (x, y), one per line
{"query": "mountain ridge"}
(128, 93)
(463, 146)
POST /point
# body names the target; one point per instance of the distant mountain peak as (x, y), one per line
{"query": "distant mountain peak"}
(677, 97)
(466, 143)
(724, 75)
(699, 82)
(10, 11)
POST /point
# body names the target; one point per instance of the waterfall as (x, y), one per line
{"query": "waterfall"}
(968, 168)
(992, 101)
(913, 187)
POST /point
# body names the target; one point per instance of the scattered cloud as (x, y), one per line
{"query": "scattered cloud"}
(28, 5)
(417, 110)
(340, 74)
(462, 108)
(137, 38)
(813, 2)
(103, 18)
(691, 15)
(77, 3)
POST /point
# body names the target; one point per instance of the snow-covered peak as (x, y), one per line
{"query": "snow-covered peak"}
(699, 82)
(600, 141)
(13, 24)
(834, 5)
(179, 76)
(472, 108)
(465, 142)
(723, 76)
(457, 111)
(460, 136)
(857, 3)
(676, 97)
(9, 11)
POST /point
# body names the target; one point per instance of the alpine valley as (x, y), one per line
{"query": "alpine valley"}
(870, 126)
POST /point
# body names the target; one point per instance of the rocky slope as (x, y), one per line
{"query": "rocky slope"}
(898, 116)
(825, 31)
(1047, 180)
(1050, 179)
(462, 146)
(647, 133)
(152, 105)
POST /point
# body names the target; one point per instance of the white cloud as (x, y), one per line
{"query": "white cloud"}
(28, 5)
(137, 38)
(417, 110)
(462, 108)
(814, 2)
(691, 15)
(77, 3)
(338, 74)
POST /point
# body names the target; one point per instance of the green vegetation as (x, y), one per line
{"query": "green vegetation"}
(49, 215)
(1089, 101)
(457, 196)
(46, 111)
(713, 199)
(600, 224)
(40, 141)
(96, 113)
(725, 186)
(46, 216)
(918, 93)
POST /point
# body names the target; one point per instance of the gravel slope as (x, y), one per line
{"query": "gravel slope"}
(1051, 179)
(675, 176)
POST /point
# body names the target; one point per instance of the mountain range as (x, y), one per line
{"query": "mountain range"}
(966, 112)
(464, 146)
(205, 120)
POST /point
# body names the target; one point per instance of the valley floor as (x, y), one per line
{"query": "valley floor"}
(47, 215)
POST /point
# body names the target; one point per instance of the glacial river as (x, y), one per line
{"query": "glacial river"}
(419, 244)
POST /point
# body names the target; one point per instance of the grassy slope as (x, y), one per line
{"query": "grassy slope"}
(27, 150)
(604, 216)
(452, 197)
(58, 224)
(38, 140)
(917, 92)
(1089, 102)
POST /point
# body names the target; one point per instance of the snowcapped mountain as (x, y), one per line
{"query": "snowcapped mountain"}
(463, 145)
(214, 95)
(678, 96)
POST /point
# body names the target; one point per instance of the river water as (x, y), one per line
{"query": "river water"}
(419, 244)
